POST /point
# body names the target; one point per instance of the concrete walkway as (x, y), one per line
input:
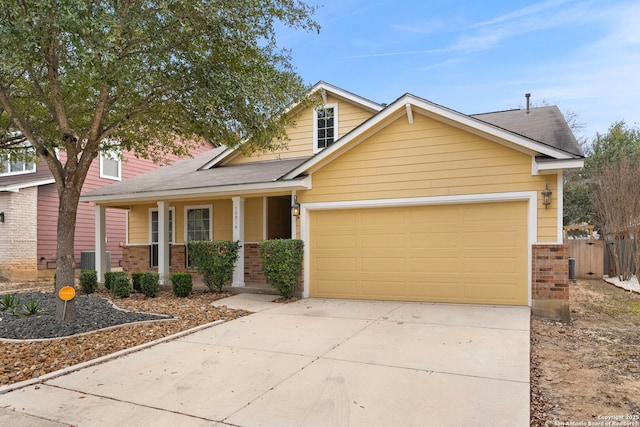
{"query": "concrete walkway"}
(315, 362)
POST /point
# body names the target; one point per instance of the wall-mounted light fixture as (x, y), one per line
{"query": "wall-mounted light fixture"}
(295, 207)
(1, 216)
(546, 196)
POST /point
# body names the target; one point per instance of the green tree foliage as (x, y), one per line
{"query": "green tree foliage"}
(79, 76)
(620, 142)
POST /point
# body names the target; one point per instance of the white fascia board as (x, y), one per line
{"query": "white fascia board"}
(351, 97)
(549, 166)
(217, 159)
(15, 188)
(226, 190)
(338, 148)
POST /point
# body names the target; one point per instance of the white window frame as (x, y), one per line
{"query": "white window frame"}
(7, 171)
(186, 219)
(316, 149)
(186, 226)
(109, 155)
(172, 224)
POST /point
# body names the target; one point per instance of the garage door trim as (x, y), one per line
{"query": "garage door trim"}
(532, 221)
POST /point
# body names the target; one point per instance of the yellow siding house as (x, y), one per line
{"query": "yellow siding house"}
(408, 201)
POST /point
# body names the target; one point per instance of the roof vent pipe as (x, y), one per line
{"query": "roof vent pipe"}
(528, 96)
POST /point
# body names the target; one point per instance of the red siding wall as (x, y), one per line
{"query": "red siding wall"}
(85, 224)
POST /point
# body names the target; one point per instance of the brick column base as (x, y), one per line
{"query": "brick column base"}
(550, 281)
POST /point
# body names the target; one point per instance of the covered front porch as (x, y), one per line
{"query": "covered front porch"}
(157, 233)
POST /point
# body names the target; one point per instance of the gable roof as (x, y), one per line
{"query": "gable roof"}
(543, 134)
(409, 104)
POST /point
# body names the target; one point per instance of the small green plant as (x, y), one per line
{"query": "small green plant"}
(182, 284)
(32, 308)
(136, 280)
(150, 283)
(10, 304)
(282, 263)
(88, 281)
(121, 286)
(110, 277)
(214, 260)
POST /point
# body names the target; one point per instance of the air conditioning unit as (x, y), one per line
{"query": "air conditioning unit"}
(88, 260)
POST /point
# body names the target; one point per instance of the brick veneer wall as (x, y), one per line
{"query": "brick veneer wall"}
(550, 280)
(253, 265)
(137, 258)
(18, 234)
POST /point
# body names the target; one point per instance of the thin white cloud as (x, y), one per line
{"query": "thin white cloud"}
(524, 12)
(490, 33)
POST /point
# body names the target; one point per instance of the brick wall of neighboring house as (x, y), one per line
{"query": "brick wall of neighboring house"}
(550, 281)
(18, 234)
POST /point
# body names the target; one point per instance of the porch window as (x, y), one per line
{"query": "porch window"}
(325, 123)
(154, 230)
(198, 225)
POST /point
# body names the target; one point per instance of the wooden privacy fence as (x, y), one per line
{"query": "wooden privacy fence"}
(589, 256)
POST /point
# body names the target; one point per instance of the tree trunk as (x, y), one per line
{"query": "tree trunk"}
(65, 268)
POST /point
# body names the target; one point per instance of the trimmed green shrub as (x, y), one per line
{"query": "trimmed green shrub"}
(214, 260)
(182, 284)
(282, 263)
(88, 281)
(136, 280)
(110, 277)
(121, 286)
(150, 283)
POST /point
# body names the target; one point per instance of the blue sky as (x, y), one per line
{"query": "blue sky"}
(480, 56)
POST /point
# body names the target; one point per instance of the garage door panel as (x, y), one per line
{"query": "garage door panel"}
(435, 291)
(337, 287)
(388, 241)
(432, 240)
(475, 253)
(334, 241)
(432, 265)
(383, 264)
(328, 264)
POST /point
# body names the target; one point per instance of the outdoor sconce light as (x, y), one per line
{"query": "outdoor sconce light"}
(1, 216)
(295, 207)
(546, 196)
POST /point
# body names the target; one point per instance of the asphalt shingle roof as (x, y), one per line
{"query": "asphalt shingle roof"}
(186, 174)
(543, 124)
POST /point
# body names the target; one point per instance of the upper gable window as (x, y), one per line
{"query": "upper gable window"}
(325, 126)
(16, 165)
(110, 165)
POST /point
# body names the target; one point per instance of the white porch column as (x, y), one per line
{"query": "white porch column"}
(238, 235)
(101, 242)
(163, 242)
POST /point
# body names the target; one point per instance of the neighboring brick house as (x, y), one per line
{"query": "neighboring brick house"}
(29, 213)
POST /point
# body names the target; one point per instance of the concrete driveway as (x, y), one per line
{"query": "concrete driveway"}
(315, 362)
